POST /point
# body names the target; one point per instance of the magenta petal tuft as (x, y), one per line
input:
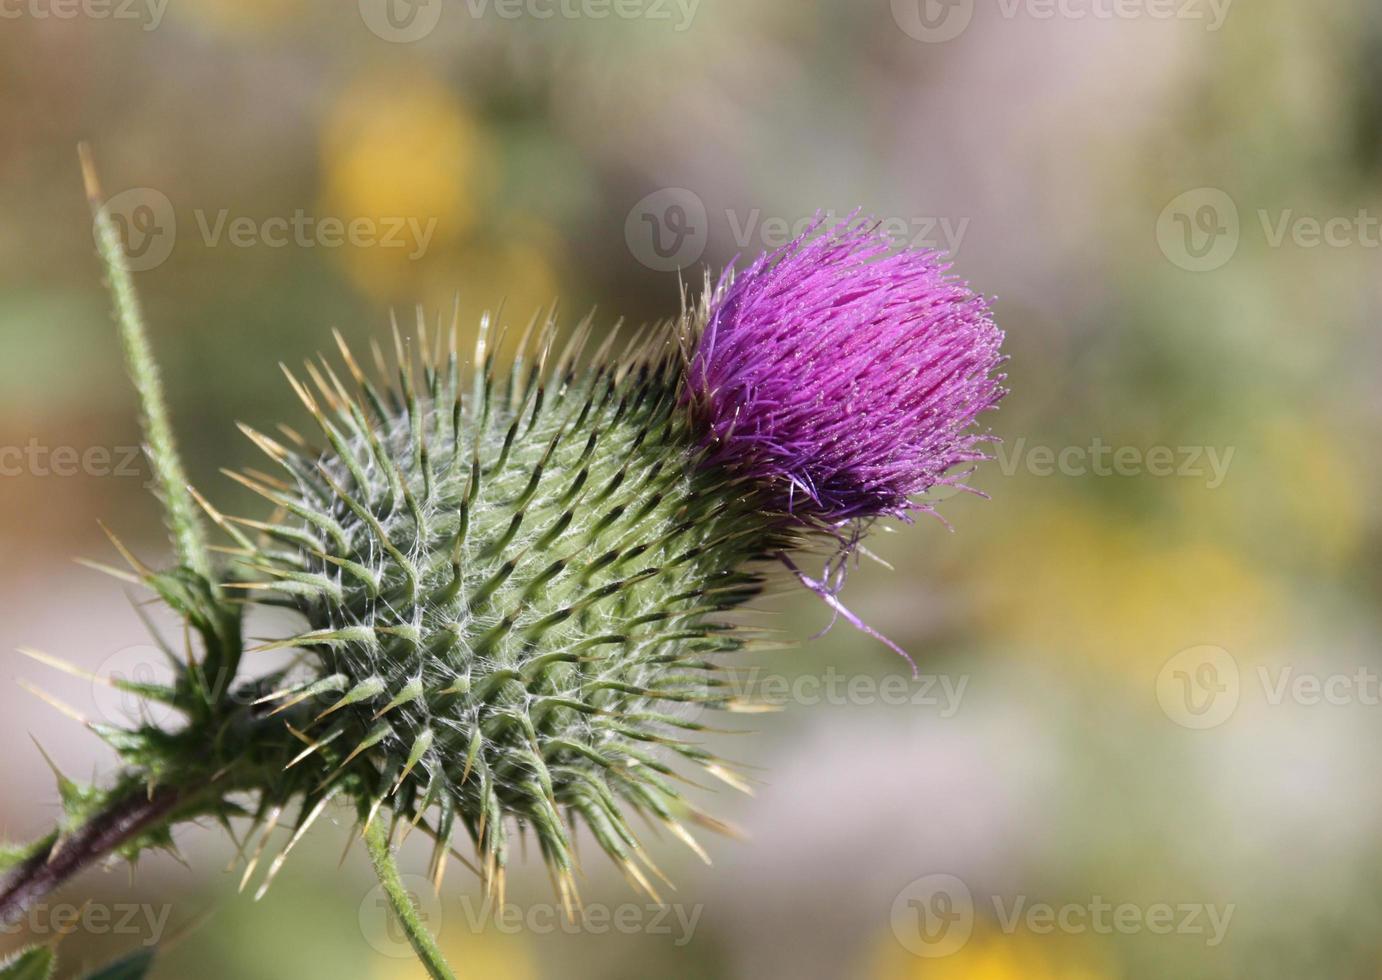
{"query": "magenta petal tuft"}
(844, 375)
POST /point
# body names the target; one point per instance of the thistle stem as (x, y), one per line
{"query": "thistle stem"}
(377, 840)
(59, 858)
(183, 522)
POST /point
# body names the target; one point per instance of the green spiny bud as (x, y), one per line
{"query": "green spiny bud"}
(510, 586)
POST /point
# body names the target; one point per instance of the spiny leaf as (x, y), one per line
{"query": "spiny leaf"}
(34, 963)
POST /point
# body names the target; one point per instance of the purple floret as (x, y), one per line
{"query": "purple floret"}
(845, 377)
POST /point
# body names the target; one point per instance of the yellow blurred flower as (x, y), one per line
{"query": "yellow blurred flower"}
(996, 957)
(400, 151)
(516, 272)
(1072, 580)
(1295, 478)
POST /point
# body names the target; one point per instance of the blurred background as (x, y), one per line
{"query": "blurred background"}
(1143, 744)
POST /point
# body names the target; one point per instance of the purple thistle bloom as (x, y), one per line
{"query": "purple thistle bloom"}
(844, 376)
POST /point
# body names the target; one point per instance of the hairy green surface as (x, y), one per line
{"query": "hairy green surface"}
(511, 592)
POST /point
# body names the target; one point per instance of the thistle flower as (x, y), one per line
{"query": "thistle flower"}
(845, 377)
(513, 583)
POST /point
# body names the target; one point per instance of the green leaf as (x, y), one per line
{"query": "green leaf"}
(34, 963)
(130, 967)
(13, 855)
(181, 513)
(80, 802)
